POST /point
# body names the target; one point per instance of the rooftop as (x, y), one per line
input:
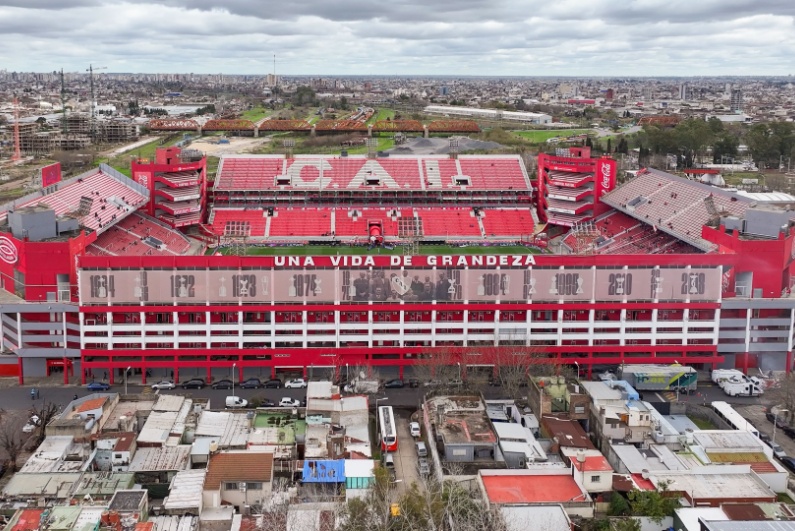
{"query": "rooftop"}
(521, 487)
(567, 432)
(697, 484)
(461, 419)
(127, 500)
(238, 466)
(186, 489)
(160, 459)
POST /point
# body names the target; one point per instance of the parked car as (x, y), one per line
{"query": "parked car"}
(194, 383)
(295, 383)
(235, 402)
(414, 382)
(265, 402)
(222, 384)
(789, 431)
(456, 382)
(765, 438)
(33, 423)
(273, 383)
(97, 386)
(770, 416)
(251, 383)
(778, 451)
(397, 383)
(789, 463)
(423, 467)
(433, 383)
(495, 381)
(289, 402)
(164, 384)
(414, 429)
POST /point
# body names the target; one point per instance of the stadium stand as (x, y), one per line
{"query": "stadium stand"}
(354, 221)
(110, 198)
(238, 222)
(448, 221)
(247, 173)
(494, 174)
(139, 235)
(300, 222)
(508, 222)
(676, 205)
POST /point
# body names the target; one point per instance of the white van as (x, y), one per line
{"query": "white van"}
(235, 402)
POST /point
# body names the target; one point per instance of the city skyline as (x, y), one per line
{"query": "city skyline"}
(473, 38)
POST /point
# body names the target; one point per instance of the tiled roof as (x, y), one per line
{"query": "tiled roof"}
(94, 403)
(238, 466)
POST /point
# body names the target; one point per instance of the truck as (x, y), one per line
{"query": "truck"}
(740, 388)
(661, 377)
(719, 376)
(360, 386)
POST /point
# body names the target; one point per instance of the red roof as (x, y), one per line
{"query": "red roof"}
(528, 489)
(643, 484)
(593, 463)
(29, 520)
(89, 405)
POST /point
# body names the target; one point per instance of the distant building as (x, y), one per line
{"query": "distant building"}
(736, 100)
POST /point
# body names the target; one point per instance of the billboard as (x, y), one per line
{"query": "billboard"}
(50, 175)
(605, 176)
(266, 285)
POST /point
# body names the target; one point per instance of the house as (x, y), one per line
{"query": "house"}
(713, 486)
(114, 451)
(539, 485)
(185, 494)
(83, 417)
(591, 469)
(460, 422)
(553, 395)
(617, 413)
(238, 478)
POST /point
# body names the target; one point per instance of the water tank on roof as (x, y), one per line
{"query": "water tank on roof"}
(213, 447)
(689, 436)
(644, 474)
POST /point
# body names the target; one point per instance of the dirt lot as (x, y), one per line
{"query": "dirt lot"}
(235, 145)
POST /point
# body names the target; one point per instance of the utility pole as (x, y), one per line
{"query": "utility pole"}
(93, 100)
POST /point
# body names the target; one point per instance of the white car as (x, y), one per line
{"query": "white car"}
(414, 429)
(164, 384)
(28, 428)
(296, 383)
(289, 402)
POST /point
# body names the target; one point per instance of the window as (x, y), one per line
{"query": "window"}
(579, 409)
(117, 456)
(231, 486)
(254, 486)
(595, 479)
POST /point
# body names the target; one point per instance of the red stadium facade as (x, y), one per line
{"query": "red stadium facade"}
(668, 270)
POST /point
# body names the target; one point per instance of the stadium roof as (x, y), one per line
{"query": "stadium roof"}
(675, 205)
(97, 199)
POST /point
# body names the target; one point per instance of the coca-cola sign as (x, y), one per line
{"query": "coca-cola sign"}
(8, 251)
(605, 170)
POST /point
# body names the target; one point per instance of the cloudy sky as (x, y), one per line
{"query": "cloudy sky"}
(404, 37)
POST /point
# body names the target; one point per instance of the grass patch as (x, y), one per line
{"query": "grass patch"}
(384, 143)
(703, 424)
(381, 114)
(329, 250)
(256, 114)
(536, 137)
(783, 497)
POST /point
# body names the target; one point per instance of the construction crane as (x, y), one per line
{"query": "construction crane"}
(17, 148)
(91, 69)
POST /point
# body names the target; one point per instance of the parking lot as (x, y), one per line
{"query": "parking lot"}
(756, 416)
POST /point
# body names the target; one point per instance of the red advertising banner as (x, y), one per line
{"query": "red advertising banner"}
(50, 175)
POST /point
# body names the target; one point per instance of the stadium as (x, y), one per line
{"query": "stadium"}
(297, 263)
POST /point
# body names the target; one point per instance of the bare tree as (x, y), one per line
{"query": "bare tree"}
(12, 438)
(782, 394)
(45, 412)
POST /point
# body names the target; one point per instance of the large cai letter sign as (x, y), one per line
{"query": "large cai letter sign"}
(50, 175)
(8, 251)
(445, 280)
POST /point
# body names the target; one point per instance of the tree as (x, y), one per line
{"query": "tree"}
(782, 394)
(12, 438)
(46, 412)
(654, 504)
(609, 146)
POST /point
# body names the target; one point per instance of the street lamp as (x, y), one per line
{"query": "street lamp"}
(577, 364)
(347, 374)
(677, 383)
(775, 422)
(459, 372)
(126, 372)
(378, 420)
(234, 366)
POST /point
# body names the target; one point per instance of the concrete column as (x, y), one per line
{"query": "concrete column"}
(789, 362)
(209, 374)
(21, 368)
(65, 371)
(313, 132)
(425, 133)
(369, 131)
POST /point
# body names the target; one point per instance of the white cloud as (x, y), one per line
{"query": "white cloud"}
(360, 37)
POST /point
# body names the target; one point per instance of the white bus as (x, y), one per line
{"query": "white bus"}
(388, 430)
(732, 418)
